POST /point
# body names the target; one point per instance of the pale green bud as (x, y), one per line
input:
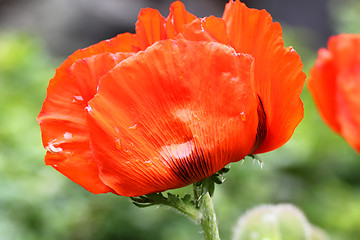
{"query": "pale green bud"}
(276, 222)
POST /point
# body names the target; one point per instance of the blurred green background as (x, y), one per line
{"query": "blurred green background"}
(316, 170)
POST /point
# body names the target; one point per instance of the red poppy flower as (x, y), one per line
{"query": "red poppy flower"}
(334, 83)
(174, 103)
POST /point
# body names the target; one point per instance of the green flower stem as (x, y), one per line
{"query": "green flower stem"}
(208, 221)
(199, 208)
(203, 201)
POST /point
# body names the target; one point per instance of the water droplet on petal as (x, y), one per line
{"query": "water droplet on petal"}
(88, 108)
(133, 127)
(78, 98)
(195, 117)
(148, 163)
(117, 144)
(55, 165)
(68, 135)
(243, 116)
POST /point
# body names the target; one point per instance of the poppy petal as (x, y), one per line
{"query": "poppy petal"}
(335, 86)
(178, 18)
(346, 51)
(207, 29)
(62, 118)
(125, 42)
(167, 117)
(322, 85)
(277, 69)
(150, 27)
(349, 105)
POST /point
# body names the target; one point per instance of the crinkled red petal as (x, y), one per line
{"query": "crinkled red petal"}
(278, 72)
(125, 42)
(172, 115)
(177, 20)
(207, 29)
(334, 83)
(348, 102)
(345, 49)
(62, 117)
(322, 85)
(150, 27)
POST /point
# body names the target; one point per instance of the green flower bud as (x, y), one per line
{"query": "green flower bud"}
(276, 222)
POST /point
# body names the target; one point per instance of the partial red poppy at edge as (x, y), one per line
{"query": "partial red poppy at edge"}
(174, 103)
(334, 83)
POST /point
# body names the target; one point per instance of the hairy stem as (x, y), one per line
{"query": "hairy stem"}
(205, 205)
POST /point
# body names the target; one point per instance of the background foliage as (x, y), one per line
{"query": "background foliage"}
(317, 171)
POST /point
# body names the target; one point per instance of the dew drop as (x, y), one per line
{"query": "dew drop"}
(195, 117)
(68, 135)
(78, 98)
(88, 108)
(243, 116)
(118, 144)
(148, 163)
(133, 127)
(55, 165)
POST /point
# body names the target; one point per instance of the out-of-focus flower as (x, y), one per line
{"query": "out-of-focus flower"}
(334, 83)
(174, 103)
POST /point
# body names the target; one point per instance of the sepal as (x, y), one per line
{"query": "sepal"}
(184, 205)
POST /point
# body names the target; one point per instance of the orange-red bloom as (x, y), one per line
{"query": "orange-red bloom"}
(334, 83)
(174, 103)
